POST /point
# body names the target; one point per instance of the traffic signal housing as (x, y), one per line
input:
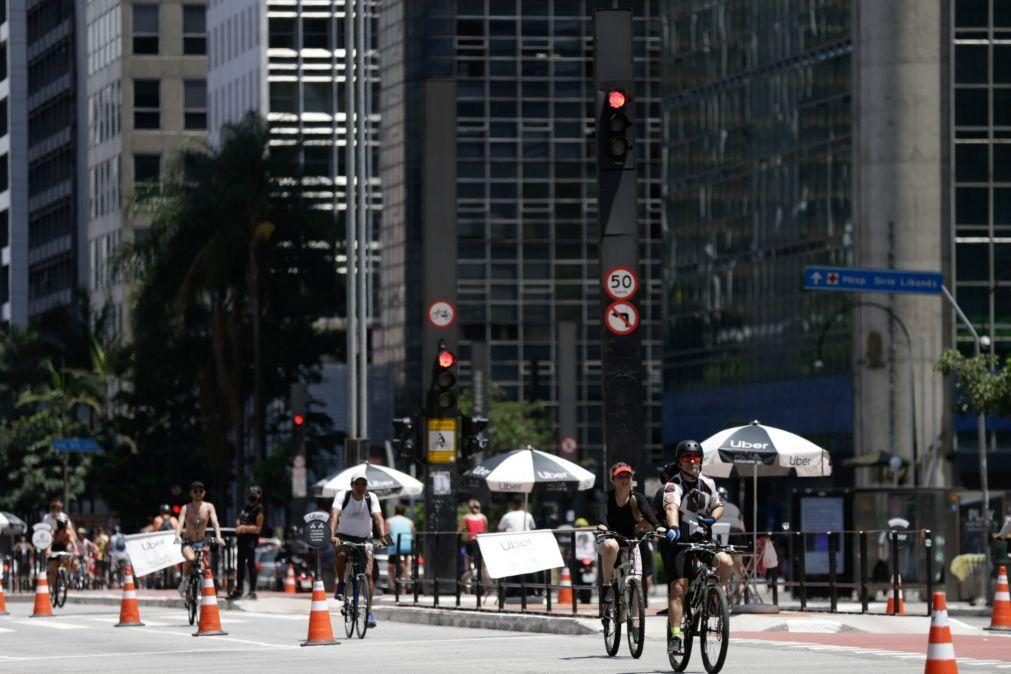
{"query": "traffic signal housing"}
(615, 128)
(405, 438)
(474, 440)
(442, 396)
(299, 399)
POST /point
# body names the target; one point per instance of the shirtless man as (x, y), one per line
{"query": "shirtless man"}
(192, 529)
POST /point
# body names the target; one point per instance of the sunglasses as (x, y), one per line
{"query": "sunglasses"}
(196, 491)
(692, 458)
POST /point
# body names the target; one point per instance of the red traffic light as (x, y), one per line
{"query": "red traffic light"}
(176, 509)
(616, 99)
(446, 359)
(297, 419)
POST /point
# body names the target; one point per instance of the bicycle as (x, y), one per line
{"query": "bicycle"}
(629, 599)
(61, 580)
(194, 581)
(357, 604)
(705, 610)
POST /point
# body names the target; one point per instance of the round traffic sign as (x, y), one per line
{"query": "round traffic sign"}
(42, 539)
(569, 445)
(622, 318)
(316, 532)
(441, 313)
(621, 283)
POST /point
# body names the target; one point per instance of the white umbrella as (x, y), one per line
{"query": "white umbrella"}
(12, 523)
(384, 482)
(762, 450)
(523, 471)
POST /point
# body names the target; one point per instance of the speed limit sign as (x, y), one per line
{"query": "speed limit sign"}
(621, 283)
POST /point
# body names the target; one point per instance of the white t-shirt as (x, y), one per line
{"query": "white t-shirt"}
(692, 499)
(356, 518)
(516, 520)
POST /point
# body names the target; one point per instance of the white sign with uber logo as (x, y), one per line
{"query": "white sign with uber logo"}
(519, 552)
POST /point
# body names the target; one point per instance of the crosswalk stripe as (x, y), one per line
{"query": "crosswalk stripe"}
(44, 622)
(113, 621)
(4, 629)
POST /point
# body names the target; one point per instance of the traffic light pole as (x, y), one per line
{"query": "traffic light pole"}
(621, 348)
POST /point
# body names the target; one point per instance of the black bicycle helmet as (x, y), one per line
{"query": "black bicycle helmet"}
(687, 447)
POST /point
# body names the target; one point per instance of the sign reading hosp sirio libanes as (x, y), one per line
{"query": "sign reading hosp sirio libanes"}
(858, 280)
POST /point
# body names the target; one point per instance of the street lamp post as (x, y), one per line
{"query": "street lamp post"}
(912, 369)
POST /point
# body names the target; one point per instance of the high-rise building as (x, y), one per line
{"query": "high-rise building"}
(13, 155)
(146, 98)
(844, 133)
(528, 285)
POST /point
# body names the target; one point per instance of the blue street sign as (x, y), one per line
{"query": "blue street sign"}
(856, 280)
(76, 445)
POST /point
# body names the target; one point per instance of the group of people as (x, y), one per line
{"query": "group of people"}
(94, 554)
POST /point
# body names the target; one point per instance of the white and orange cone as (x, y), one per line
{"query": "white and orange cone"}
(210, 620)
(129, 611)
(891, 609)
(289, 580)
(565, 589)
(43, 607)
(1000, 621)
(320, 629)
(3, 602)
(940, 649)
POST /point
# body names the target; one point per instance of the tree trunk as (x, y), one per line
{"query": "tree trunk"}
(259, 423)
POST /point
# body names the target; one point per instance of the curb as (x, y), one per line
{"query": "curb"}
(515, 622)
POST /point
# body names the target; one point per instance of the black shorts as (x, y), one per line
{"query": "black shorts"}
(675, 561)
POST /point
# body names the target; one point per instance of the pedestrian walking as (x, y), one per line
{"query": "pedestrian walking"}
(248, 526)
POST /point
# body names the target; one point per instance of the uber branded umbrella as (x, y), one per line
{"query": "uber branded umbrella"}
(12, 524)
(762, 450)
(523, 471)
(384, 482)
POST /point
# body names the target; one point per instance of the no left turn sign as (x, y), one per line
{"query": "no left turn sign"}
(441, 313)
(622, 318)
(569, 445)
(621, 283)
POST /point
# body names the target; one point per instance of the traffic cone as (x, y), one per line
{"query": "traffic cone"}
(129, 612)
(890, 609)
(565, 591)
(3, 602)
(320, 629)
(43, 609)
(940, 650)
(289, 580)
(999, 622)
(210, 621)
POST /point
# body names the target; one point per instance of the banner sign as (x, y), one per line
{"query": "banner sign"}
(518, 552)
(153, 552)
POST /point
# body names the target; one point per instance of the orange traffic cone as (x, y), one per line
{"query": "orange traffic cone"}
(890, 609)
(210, 621)
(320, 629)
(3, 602)
(999, 622)
(129, 612)
(565, 591)
(940, 650)
(43, 609)
(289, 580)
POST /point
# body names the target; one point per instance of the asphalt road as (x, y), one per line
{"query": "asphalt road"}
(83, 639)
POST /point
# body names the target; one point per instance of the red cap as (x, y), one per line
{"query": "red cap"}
(620, 469)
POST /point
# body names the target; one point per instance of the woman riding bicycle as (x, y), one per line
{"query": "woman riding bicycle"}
(625, 512)
(688, 497)
(64, 540)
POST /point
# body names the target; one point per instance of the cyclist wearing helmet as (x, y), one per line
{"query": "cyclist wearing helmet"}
(688, 496)
(165, 520)
(64, 540)
(624, 512)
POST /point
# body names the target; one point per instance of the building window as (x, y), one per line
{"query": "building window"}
(146, 104)
(4, 176)
(146, 168)
(145, 29)
(3, 61)
(195, 104)
(3, 118)
(194, 29)
(5, 217)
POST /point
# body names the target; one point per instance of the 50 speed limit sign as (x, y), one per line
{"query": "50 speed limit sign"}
(621, 283)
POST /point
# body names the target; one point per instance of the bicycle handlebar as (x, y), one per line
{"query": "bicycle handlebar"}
(630, 542)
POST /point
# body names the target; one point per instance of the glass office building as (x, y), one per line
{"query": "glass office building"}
(526, 205)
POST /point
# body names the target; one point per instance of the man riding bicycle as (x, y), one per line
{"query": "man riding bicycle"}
(355, 514)
(691, 505)
(191, 530)
(64, 540)
(627, 513)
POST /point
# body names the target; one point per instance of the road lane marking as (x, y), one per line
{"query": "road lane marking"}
(229, 639)
(53, 624)
(279, 616)
(128, 654)
(113, 621)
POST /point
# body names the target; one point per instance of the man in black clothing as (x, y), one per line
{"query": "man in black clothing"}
(625, 512)
(247, 529)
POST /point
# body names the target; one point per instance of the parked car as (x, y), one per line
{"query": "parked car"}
(267, 568)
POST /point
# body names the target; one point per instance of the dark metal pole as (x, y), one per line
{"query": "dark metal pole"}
(802, 566)
(833, 543)
(574, 563)
(928, 545)
(863, 571)
(893, 539)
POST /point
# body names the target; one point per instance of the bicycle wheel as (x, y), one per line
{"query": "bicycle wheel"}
(363, 606)
(350, 607)
(612, 624)
(678, 662)
(62, 585)
(54, 591)
(714, 629)
(192, 597)
(635, 618)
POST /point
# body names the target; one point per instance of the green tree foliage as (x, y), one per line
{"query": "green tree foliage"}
(513, 424)
(983, 387)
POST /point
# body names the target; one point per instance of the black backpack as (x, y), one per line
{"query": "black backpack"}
(347, 499)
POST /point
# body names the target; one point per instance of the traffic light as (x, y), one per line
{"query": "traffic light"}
(473, 440)
(442, 396)
(615, 126)
(405, 441)
(298, 399)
